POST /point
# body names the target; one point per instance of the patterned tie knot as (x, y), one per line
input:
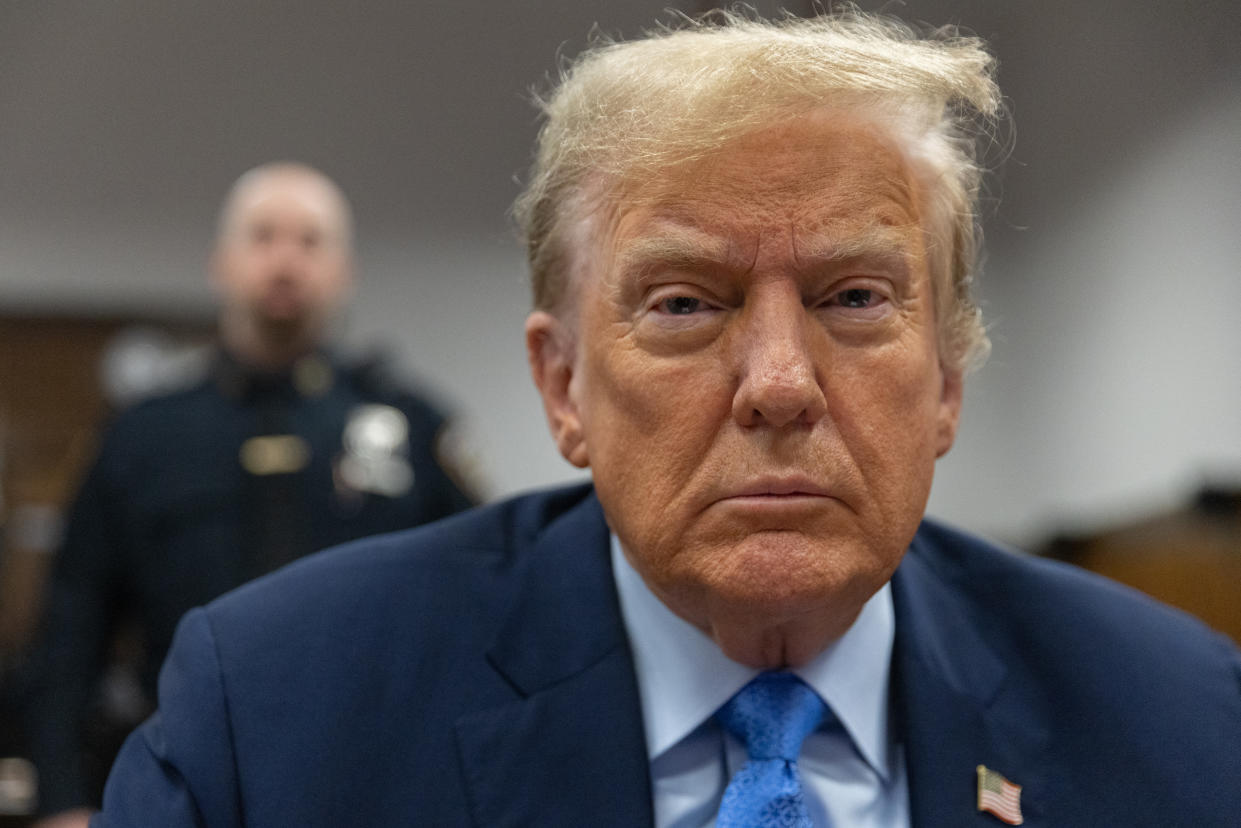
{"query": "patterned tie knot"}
(773, 715)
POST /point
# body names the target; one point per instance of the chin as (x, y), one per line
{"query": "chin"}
(284, 327)
(774, 604)
(284, 314)
(780, 576)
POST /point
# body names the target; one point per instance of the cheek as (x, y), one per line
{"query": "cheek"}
(887, 410)
(332, 281)
(650, 426)
(246, 281)
(252, 274)
(637, 409)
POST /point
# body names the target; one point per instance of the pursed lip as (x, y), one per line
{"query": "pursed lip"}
(779, 487)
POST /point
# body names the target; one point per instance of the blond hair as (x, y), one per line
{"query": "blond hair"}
(624, 112)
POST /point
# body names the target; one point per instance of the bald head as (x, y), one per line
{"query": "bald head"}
(282, 263)
(256, 184)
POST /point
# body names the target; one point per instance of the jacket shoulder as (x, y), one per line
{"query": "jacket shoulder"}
(1031, 583)
(438, 573)
(171, 409)
(1084, 633)
(1067, 677)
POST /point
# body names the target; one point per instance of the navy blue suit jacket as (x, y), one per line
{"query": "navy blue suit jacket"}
(476, 672)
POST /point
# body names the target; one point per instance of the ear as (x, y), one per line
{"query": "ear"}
(551, 350)
(951, 391)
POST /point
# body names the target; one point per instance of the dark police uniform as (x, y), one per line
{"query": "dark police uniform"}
(198, 491)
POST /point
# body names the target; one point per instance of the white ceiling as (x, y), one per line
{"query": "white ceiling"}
(149, 108)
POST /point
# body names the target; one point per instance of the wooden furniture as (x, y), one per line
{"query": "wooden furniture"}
(1189, 558)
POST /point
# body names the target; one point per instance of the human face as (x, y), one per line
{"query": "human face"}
(282, 264)
(754, 379)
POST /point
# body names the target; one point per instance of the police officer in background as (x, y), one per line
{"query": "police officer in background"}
(280, 450)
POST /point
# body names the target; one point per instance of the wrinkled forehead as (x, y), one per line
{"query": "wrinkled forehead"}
(830, 185)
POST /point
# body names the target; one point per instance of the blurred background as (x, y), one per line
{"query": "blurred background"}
(1110, 284)
(1110, 411)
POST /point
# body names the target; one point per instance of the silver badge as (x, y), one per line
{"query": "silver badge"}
(19, 787)
(376, 451)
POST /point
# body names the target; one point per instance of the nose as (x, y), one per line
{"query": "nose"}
(288, 248)
(779, 383)
(287, 257)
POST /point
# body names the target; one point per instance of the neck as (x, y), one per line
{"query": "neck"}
(784, 635)
(778, 646)
(266, 347)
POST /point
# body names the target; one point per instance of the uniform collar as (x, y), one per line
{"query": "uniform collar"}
(309, 376)
(683, 677)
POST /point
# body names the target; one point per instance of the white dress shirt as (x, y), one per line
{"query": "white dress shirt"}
(853, 771)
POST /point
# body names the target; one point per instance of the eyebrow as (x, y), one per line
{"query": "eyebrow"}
(674, 247)
(683, 247)
(877, 242)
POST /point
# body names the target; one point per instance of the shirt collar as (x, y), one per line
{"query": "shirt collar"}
(684, 677)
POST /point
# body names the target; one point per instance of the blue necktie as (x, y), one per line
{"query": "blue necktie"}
(772, 716)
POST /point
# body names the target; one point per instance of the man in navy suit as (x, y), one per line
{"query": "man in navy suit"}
(752, 246)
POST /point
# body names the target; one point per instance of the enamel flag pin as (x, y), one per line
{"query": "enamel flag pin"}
(999, 797)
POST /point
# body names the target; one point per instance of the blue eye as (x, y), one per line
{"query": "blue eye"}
(855, 298)
(680, 305)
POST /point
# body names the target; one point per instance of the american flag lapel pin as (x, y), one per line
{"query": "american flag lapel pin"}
(999, 797)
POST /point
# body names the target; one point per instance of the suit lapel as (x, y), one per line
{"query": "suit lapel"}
(954, 706)
(570, 749)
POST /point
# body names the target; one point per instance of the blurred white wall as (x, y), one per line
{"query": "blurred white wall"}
(1111, 286)
(1115, 383)
(456, 308)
